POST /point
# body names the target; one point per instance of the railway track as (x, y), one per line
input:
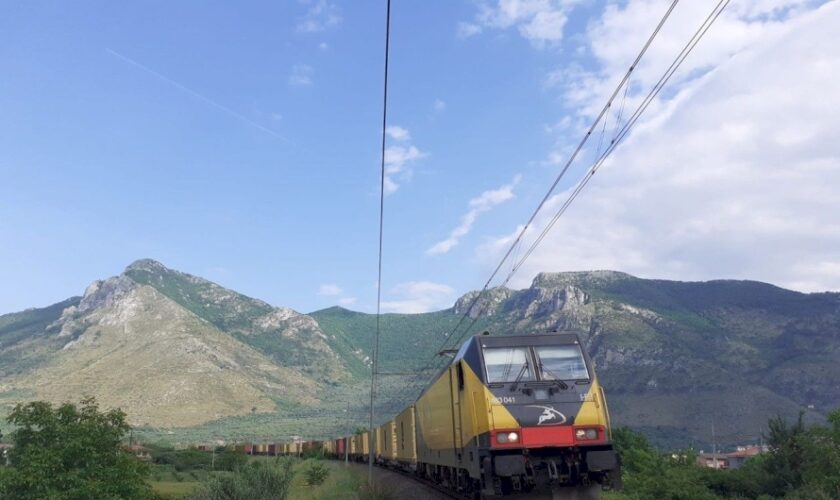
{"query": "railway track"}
(425, 482)
(559, 493)
(419, 480)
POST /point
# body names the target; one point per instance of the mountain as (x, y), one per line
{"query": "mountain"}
(169, 348)
(676, 357)
(191, 360)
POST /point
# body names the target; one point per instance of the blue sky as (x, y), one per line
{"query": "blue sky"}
(240, 142)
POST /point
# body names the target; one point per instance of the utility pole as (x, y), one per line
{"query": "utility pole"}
(347, 440)
(714, 446)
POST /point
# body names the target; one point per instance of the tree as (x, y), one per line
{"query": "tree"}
(230, 459)
(787, 444)
(71, 452)
(650, 474)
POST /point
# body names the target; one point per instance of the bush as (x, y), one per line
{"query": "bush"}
(230, 459)
(70, 452)
(803, 463)
(316, 473)
(180, 460)
(254, 480)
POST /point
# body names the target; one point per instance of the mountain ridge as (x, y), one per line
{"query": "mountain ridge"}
(671, 354)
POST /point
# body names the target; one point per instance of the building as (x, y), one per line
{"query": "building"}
(737, 458)
(732, 460)
(140, 452)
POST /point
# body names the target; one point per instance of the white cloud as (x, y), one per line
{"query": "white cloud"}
(347, 301)
(418, 297)
(482, 203)
(734, 175)
(390, 186)
(323, 46)
(466, 30)
(320, 16)
(539, 21)
(301, 75)
(397, 133)
(399, 158)
(616, 37)
(439, 105)
(330, 290)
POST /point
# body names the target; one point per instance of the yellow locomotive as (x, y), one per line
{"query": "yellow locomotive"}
(512, 412)
(507, 414)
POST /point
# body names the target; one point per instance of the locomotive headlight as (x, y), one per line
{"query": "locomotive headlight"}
(586, 434)
(507, 437)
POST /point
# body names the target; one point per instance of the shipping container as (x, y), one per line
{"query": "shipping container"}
(341, 447)
(388, 452)
(406, 444)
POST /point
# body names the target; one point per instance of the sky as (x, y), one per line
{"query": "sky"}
(240, 142)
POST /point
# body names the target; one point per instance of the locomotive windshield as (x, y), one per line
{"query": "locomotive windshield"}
(507, 364)
(563, 362)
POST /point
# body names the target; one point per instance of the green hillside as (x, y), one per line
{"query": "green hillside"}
(190, 360)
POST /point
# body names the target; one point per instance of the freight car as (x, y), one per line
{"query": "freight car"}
(406, 447)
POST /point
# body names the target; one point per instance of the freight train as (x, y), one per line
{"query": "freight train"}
(508, 414)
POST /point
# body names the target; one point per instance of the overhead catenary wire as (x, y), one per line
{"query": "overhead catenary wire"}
(616, 140)
(600, 159)
(375, 353)
(601, 115)
(687, 49)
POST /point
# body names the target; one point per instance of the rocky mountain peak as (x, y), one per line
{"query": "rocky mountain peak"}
(578, 278)
(99, 294)
(147, 265)
(486, 305)
(538, 301)
(104, 293)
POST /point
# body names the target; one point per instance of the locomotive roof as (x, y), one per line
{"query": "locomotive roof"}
(549, 338)
(529, 339)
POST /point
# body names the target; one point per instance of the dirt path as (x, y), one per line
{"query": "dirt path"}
(399, 486)
(402, 487)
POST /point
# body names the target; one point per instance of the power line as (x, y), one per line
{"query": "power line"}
(565, 168)
(550, 192)
(687, 49)
(374, 367)
(601, 157)
(616, 140)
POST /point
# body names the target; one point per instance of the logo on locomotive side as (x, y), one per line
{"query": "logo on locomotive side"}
(550, 416)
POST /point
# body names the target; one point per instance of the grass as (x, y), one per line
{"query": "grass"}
(341, 483)
(169, 483)
(174, 489)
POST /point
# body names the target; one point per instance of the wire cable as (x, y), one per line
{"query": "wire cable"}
(375, 354)
(469, 309)
(666, 76)
(687, 49)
